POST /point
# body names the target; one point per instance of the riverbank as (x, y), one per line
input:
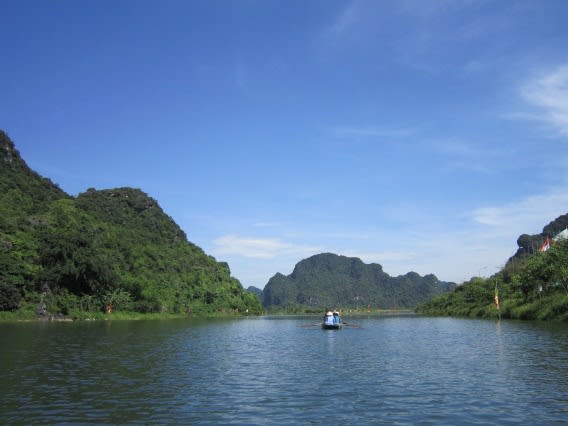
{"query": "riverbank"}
(547, 307)
(21, 316)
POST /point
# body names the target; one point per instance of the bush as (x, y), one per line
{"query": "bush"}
(62, 302)
(10, 296)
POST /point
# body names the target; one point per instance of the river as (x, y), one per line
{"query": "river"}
(394, 370)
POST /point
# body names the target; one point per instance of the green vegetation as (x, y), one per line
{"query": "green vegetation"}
(116, 250)
(531, 287)
(109, 250)
(346, 282)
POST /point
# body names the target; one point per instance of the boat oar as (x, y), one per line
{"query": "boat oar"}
(348, 324)
(317, 324)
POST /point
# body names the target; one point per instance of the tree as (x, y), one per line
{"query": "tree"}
(12, 274)
(68, 252)
(557, 268)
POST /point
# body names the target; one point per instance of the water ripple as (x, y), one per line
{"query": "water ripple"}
(406, 370)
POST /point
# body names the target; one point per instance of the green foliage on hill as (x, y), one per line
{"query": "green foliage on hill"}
(346, 282)
(111, 247)
(256, 291)
(532, 286)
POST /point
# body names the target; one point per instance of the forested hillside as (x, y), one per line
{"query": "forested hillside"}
(532, 285)
(338, 281)
(110, 249)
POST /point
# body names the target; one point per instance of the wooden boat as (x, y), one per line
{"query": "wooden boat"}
(331, 321)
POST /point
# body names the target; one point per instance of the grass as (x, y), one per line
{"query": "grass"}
(114, 316)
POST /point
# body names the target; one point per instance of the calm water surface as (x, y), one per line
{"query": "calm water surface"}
(391, 370)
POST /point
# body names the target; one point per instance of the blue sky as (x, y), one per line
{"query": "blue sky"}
(422, 135)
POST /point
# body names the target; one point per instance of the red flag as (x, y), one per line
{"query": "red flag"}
(546, 245)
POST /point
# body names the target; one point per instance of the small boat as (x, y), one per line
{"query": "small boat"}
(331, 321)
(330, 326)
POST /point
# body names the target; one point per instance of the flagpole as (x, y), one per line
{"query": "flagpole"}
(497, 300)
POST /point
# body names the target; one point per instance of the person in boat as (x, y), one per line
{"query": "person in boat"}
(328, 318)
(336, 318)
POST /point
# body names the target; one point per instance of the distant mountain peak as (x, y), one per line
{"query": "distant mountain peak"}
(329, 279)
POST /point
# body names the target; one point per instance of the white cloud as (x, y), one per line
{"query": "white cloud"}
(261, 248)
(346, 20)
(431, 9)
(489, 216)
(372, 132)
(527, 215)
(478, 247)
(459, 148)
(266, 224)
(382, 256)
(549, 94)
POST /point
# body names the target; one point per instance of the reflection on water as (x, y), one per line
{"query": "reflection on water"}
(401, 370)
